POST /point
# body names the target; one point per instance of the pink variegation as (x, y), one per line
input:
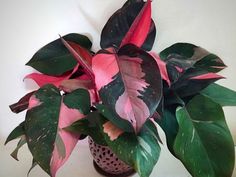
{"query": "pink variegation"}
(207, 76)
(162, 66)
(66, 118)
(139, 29)
(111, 130)
(42, 79)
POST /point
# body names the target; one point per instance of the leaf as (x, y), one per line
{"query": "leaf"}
(54, 59)
(19, 145)
(162, 66)
(48, 114)
(82, 60)
(34, 164)
(140, 27)
(220, 95)
(170, 126)
(193, 81)
(91, 126)
(183, 56)
(130, 24)
(22, 104)
(140, 151)
(129, 84)
(16, 133)
(42, 79)
(204, 143)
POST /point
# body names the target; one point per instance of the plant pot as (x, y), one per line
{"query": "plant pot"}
(107, 163)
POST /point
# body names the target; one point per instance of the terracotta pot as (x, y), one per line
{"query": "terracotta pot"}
(107, 163)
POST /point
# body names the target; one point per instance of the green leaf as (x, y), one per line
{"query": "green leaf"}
(54, 58)
(19, 145)
(16, 133)
(112, 116)
(90, 125)
(140, 151)
(220, 95)
(204, 143)
(170, 126)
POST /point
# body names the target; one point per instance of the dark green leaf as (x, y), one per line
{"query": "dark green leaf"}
(204, 143)
(16, 133)
(19, 145)
(186, 86)
(54, 58)
(185, 56)
(139, 151)
(112, 116)
(91, 126)
(170, 126)
(34, 163)
(220, 95)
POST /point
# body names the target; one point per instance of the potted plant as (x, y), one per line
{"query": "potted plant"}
(118, 95)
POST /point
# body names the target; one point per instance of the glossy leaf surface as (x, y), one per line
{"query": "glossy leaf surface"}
(130, 24)
(54, 58)
(129, 84)
(16, 133)
(204, 143)
(183, 56)
(220, 95)
(140, 151)
(48, 114)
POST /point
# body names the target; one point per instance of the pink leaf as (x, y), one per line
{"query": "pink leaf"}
(105, 68)
(67, 116)
(112, 131)
(138, 31)
(162, 67)
(207, 76)
(42, 79)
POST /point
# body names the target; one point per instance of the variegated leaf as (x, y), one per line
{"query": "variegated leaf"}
(130, 24)
(129, 84)
(183, 56)
(49, 112)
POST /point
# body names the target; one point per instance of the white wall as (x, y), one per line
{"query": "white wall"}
(27, 25)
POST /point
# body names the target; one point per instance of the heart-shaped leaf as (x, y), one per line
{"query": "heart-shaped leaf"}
(129, 84)
(130, 24)
(49, 112)
(204, 143)
(54, 58)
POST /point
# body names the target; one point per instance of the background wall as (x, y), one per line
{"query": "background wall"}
(27, 25)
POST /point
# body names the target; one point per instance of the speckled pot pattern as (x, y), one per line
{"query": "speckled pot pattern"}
(106, 159)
